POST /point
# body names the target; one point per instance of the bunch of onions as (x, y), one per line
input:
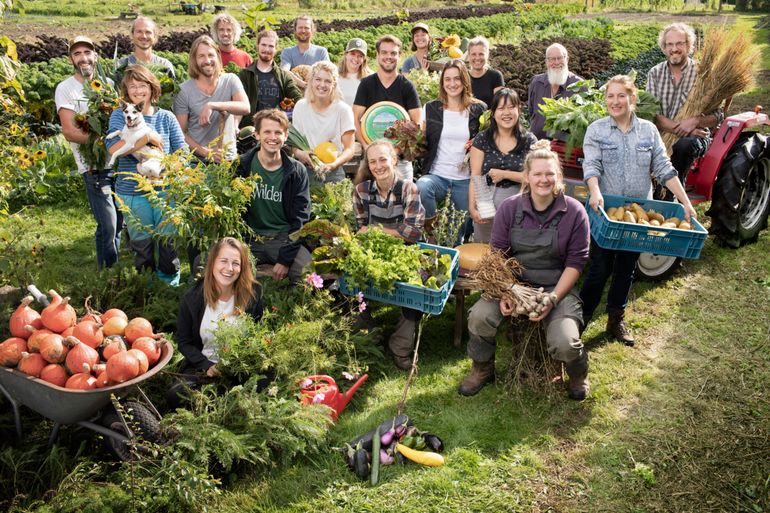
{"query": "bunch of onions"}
(25, 316)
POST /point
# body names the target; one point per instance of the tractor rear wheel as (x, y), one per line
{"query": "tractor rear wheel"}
(740, 201)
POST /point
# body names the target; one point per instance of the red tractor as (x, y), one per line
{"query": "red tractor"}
(734, 174)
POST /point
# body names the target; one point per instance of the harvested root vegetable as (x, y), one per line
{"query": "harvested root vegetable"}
(530, 301)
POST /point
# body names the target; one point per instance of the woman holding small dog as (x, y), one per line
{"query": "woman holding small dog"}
(142, 90)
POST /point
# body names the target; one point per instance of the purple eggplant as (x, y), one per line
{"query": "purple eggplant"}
(387, 437)
(385, 458)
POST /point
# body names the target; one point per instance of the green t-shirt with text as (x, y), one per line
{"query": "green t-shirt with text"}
(265, 215)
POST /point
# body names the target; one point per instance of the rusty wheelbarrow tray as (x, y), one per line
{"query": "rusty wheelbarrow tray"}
(84, 407)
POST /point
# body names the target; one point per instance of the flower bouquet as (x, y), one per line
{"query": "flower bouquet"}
(408, 138)
(444, 49)
(101, 99)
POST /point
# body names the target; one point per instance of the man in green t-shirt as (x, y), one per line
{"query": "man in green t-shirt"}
(280, 204)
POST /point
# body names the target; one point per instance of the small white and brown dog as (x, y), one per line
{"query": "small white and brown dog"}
(149, 157)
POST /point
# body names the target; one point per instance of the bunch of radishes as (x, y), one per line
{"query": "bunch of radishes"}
(97, 351)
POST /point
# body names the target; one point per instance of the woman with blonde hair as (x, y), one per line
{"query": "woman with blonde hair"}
(547, 232)
(322, 116)
(621, 152)
(382, 199)
(353, 66)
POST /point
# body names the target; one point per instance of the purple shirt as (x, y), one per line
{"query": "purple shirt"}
(573, 227)
(540, 88)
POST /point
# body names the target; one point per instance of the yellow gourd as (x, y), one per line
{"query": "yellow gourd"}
(454, 52)
(326, 152)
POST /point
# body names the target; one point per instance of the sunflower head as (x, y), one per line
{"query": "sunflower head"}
(453, 40)
(38, 155)
(96, 85)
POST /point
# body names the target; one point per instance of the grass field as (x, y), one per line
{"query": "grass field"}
(679, 423)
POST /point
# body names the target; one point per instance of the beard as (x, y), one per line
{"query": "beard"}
(85, 70)
(558, 76)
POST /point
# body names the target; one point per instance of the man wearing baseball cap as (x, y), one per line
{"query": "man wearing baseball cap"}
(353, 67)
(70, 100)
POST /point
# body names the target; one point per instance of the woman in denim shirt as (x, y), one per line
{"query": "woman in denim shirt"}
(621, 151)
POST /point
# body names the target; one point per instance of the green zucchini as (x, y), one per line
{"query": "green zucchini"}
(374, 476)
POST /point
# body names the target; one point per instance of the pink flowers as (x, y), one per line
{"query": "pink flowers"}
(361, 302)
(315, 280)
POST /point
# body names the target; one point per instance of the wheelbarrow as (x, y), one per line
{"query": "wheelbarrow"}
(103, 410)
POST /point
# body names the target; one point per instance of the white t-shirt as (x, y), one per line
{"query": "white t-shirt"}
(328, 125)
(211, 317)
(69, 95)
(451, 147)
(349, 86)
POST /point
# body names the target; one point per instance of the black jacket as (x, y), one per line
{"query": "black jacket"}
(188, 325)
(434, 124)
(295, 191)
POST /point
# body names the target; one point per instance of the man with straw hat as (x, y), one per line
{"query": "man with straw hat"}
(670, 82)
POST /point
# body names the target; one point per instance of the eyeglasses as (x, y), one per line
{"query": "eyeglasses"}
(678, 44)
(136, 87)
(555, 59)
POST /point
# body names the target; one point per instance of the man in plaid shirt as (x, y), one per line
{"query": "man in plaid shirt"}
(670, 82)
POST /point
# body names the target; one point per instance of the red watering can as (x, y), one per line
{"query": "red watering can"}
(324, 390)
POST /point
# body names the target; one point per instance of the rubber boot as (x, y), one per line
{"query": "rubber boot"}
(616, 327)
(481, 374)
(401, 343)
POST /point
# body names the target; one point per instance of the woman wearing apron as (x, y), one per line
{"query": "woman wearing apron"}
(547, 232)
(380, 199)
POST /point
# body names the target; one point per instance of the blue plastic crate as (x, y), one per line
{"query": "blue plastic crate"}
(640, 238)
(426, 300)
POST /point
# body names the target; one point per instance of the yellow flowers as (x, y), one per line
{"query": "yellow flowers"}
(38, 155)
(209, 209)
(453, 40)
(96, 85)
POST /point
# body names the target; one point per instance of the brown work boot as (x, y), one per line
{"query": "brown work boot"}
(578, 387)
(481, 374)
(616, 327)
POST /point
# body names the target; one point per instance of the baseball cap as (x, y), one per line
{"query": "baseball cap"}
(80, 40)
(422, 26)
(356, 44)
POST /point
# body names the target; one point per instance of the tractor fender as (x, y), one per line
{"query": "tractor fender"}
(729, 132)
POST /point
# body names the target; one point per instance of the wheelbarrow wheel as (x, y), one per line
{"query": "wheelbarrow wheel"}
(142, 422)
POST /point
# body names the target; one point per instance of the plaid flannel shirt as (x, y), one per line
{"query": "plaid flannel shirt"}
(661, 84)
(414, 213)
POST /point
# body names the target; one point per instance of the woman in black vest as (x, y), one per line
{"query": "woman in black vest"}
(450, 123)
(393, 205)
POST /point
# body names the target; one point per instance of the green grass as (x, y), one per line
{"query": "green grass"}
(679, 423)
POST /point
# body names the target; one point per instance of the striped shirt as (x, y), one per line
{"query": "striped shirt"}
(661, 84)
(414, 213)
(623, 161)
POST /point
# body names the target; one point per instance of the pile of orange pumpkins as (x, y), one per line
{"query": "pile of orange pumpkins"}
(95, 351)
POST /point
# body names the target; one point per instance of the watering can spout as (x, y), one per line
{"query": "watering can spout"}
(347, 396)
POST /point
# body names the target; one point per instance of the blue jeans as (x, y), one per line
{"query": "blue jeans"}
(109, 220)
(142, 243)
(621, 264)
(434, 188)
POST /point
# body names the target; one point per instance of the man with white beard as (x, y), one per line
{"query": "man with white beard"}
(71, 100)
(551, 84)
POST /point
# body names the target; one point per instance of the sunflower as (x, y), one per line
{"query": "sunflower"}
(96, 85)
(38, 155)
(453, 40)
